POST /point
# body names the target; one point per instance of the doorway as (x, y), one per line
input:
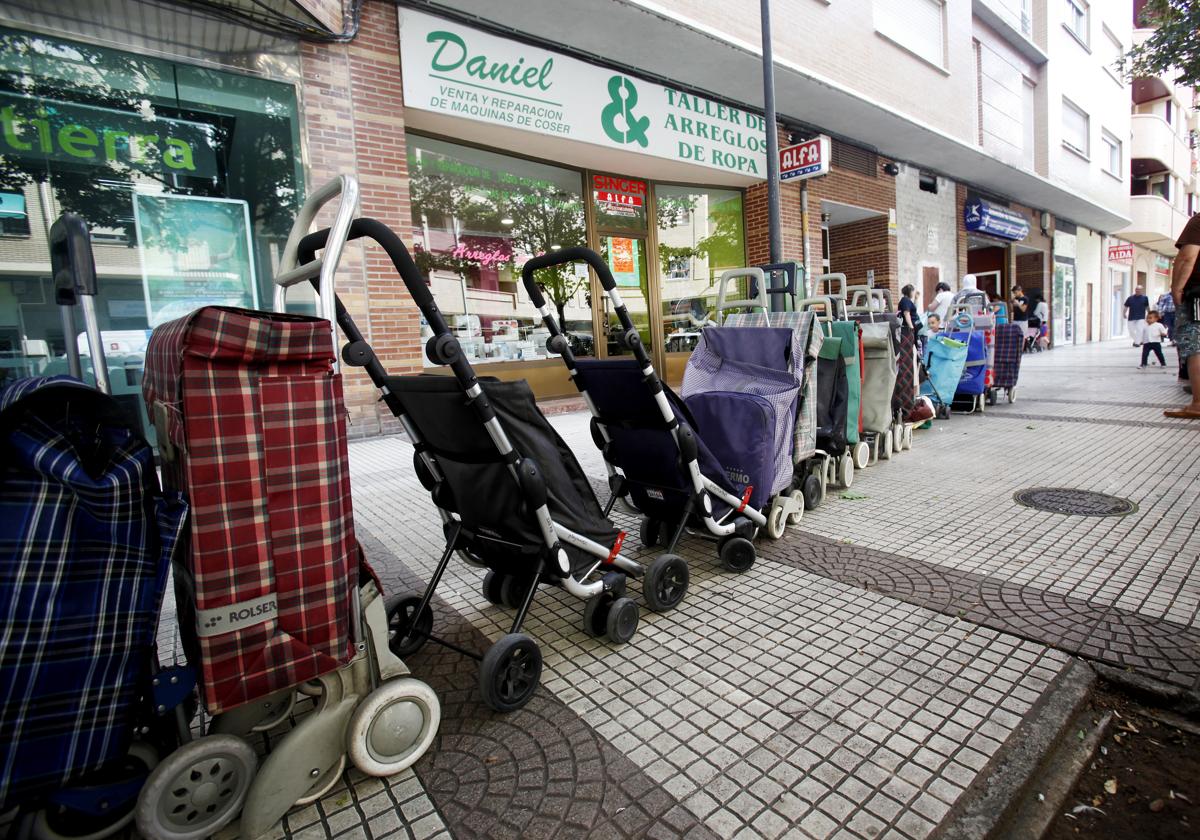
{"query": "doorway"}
(931, 275)
(989, 282)
(626, 259)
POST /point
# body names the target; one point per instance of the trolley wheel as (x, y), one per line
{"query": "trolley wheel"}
(980, 402)
(510, 672)
(595, 613)
(898, 437)
(650, 532)
(64, 823)
(492, 583)
(884, 441)
(401, 618)
(1012, 395)
(513, 591)
(393, 727)
(814, 494)
(196, 790)
(908, 437)
(622, 621)
(862, 454)
(991, 396)
(846, 471)
(737, 553)
(776, 521)
(666, 582)
(943, 412)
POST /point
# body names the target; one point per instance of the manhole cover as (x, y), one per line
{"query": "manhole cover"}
(1074, 502)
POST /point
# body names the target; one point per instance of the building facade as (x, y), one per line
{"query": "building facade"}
(970, 137)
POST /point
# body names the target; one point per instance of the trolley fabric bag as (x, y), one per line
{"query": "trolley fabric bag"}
(248, 412)
(85, 542)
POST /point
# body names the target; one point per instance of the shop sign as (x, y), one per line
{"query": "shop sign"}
(45, 129)
(981, 216)
(1162, 264)
(194, 252)
(1120, 253)
(805, 160)
(459, 71)
(619, 196)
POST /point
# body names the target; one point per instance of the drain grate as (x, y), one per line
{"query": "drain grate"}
(1073, 502)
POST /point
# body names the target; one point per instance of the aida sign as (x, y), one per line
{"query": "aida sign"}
(463, 72)
(1120, 253)
(805, 160)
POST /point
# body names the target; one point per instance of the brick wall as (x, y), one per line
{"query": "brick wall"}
(874, 249)
(354, 123)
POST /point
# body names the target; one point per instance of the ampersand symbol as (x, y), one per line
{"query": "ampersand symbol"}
(624, 97)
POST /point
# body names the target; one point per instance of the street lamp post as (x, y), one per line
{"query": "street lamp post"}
(773, 234)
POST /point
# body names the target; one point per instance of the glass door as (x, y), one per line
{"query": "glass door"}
(626, 259)
(620, 212)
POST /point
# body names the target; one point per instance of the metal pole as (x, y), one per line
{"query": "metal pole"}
(773, 233)
(804, 253)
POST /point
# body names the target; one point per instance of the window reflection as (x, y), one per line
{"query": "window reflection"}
(700, 235)
(478, 217)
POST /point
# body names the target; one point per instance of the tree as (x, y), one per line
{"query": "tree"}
(545, 219)
(1173, 48)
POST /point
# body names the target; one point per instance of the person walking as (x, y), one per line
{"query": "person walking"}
(1155, 333)
(1136, 307)
(1185, 290)
(1166, 311)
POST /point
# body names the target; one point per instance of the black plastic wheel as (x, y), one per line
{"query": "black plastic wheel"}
(493, 582)
(510, 672)
(622, 620)
(650, 532)
(513, 591)
(666, 582)
(813, 495)
(737, 553)
(991, 396)
(401, 612)
(595, 614)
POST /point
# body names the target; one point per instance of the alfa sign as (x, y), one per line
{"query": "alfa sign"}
(462, 72)
(982, 217)
(805, 160)
(1120, 253)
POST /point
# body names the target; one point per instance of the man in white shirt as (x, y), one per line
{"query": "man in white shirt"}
(940, 304)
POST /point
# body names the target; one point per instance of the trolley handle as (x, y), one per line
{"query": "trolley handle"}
(837, 276)
(292, 271)
(758, 291)
(832, 306)
(443, 348)
(629, 338)
(73, 267)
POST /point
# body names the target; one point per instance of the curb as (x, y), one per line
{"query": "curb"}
(1183, 701)
(1041, 758)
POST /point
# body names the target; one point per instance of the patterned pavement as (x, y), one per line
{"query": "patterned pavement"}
(854, 683)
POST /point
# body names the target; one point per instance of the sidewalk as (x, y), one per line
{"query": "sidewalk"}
(856, 682)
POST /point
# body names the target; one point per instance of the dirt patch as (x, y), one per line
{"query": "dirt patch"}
(1143, 783)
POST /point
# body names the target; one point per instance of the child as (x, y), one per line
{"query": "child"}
(933, 322)
(1152, 336)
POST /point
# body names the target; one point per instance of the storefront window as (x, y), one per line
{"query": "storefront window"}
(187, 177)
(700, 235)
(478, 217)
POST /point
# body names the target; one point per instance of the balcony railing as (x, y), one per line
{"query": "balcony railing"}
(1155, 223)
(1155, 139)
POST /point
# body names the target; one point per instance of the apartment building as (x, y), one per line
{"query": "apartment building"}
(1163, 185)
(987, 137)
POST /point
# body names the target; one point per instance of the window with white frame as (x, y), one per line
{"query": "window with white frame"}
(1075, 127)
(1112, 159)
(917, 25)
(1112, 54)
(1077, 19)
